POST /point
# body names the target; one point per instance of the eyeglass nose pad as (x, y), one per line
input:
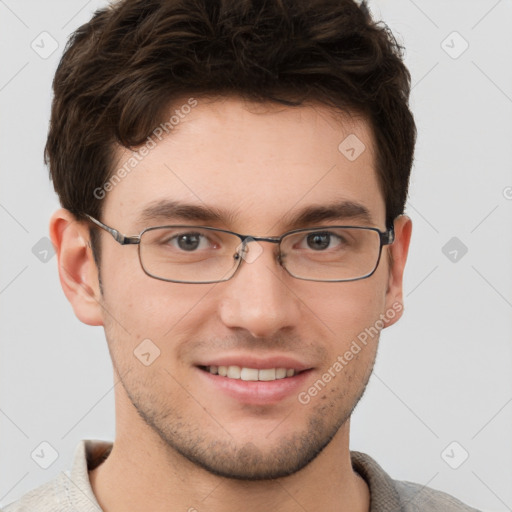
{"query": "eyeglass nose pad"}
(241, 250)
(249, 254)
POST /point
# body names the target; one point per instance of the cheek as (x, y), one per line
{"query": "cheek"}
(346, 309)
(137, 306)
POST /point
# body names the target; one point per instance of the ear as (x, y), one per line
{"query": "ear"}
(77, 269)
(398, 251)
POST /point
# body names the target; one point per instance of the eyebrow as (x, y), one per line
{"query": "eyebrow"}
(341, 210)
(165, 210)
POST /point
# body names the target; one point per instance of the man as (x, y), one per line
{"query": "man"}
(233, 177)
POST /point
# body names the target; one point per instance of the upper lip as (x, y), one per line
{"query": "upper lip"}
(259, 363)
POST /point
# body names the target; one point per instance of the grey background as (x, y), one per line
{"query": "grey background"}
(443, 373)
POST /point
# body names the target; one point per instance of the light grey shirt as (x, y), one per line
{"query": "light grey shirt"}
(71, 491)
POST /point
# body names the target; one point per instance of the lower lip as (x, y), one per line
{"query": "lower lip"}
(257, 392)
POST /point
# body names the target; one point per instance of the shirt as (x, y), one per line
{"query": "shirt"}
(71, 491)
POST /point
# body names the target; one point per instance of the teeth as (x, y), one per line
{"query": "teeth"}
(281, 373)
(266, 374)
(249, 374)
(234, 372)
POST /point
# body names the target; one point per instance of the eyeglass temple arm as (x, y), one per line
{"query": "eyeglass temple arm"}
(118, 237)
(388, 237)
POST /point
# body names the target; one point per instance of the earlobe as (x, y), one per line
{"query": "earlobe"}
(78, 272)
(398, 253)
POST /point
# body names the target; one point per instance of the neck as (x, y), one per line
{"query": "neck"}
(149, 475)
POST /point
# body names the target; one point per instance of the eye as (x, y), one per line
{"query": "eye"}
(190, 241)
(320, 241)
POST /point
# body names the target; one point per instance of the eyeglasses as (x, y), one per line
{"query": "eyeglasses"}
(200, 254)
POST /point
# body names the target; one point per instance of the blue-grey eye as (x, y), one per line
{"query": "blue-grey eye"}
(189, 241)
(320, 241)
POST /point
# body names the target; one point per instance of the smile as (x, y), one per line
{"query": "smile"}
(250, 374)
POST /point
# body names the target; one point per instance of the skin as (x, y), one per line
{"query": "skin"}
(179, 441)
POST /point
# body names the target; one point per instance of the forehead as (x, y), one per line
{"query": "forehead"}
(258, 163)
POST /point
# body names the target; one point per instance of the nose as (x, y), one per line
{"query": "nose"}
(259, 298)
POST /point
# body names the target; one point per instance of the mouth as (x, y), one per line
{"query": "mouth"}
(255, 381)
(251, 374)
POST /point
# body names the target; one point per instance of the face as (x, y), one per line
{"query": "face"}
(259, 167)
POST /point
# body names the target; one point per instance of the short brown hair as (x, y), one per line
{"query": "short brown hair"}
(122, 70)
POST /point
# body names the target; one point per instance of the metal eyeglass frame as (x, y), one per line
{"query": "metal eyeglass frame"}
(386, 238)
